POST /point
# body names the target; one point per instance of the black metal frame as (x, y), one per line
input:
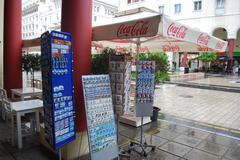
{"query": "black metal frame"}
(143, 146)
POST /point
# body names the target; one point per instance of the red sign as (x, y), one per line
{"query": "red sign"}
(175, 31)
(203, 39)
(167, 48)
(140, 28)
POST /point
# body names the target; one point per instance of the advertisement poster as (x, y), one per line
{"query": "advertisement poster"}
(100, 117)
(145, 88)
(58, 100)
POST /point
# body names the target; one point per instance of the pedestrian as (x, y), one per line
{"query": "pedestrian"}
(225, 67)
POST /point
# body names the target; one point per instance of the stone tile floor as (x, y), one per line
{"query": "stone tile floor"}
(172, 141)
(205, 106)
(228, 81)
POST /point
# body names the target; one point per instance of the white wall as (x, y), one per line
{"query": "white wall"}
(1, 42)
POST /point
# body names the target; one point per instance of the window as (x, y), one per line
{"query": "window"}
(98, 8)
(197, 5)
(220, 4)
(161, 9)
(95, 18)
(177, 8)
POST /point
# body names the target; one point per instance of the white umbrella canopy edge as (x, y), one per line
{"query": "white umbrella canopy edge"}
(161, 27)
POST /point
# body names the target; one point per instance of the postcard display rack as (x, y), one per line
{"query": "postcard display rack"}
(144, 101)
(145, 86)
(100, 117)
(56, 63)
(120, 75)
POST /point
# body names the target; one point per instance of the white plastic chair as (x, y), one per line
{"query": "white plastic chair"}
(3, 95)
(11, 122)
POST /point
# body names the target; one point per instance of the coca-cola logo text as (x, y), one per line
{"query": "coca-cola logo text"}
(203, 39)
(219, 45)
(140, 28)
(143, 50)
(167, 48)
(177, 31)
(204, 49)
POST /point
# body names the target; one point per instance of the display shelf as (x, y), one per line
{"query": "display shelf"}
(58, 100)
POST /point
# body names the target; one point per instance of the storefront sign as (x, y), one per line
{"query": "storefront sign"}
(58, 100)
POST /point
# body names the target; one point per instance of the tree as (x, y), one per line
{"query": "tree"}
(31, 63)
(100, 62)
(162, 64)
(206, 58)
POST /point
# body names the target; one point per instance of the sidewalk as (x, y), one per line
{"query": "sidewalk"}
(208, 106)
(172, 141)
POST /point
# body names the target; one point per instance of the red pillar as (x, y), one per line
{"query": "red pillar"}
(12, 44)
(77, 20)
(185, 59)
(230, 53)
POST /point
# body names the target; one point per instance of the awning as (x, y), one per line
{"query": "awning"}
(154, 33)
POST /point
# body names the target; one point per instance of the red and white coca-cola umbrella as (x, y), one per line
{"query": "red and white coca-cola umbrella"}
(153, 33)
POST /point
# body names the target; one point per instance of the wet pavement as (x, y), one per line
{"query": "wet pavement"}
(173, 142)
(219, 108)
(220, 80)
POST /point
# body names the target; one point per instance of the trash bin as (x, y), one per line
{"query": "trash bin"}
(186, 70)
(155, 114)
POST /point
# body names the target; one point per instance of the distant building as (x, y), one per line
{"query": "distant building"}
(39, 16)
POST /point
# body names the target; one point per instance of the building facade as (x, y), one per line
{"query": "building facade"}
(219, 18)
(42, 15)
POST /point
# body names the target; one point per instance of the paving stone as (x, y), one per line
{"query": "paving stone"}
(161, 155)
(233, 154)
(212, 148)
(223, 140)
(177, 128)
(154, 140)
(189, 141)
(205, 105)
(167, 134)
(196, 133)
(175, 148)
(196, 154)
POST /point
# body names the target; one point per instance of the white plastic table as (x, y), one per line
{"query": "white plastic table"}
(21, 108)
(24, 92)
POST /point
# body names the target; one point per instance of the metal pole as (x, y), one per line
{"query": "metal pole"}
(117, 127)
(60, 154)
(141, 130)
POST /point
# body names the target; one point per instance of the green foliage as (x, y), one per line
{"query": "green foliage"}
(31, 62)
(162, 64)
(207, 57)
(100, 62)
(133, 75)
